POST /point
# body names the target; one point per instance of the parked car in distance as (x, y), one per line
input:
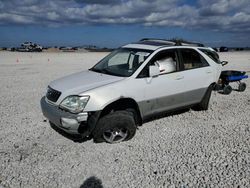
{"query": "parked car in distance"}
(133, 83)
(30, 47)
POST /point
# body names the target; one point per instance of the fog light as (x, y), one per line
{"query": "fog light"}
(67, 123)
(82, 117)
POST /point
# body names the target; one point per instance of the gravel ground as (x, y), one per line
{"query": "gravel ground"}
(191, 149)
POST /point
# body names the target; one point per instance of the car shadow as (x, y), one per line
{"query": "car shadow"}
(92, 182)
(75, 138)
(79, 139)
(222, 93)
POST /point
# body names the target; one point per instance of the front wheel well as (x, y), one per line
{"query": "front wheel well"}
(124, 104)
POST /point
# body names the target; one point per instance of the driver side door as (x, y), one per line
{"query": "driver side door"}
(165, 91)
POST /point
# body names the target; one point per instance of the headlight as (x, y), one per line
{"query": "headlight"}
(74, 104)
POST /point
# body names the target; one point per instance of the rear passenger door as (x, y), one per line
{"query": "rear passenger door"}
(196, 74)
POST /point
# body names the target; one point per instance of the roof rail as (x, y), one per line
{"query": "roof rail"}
(173, 42)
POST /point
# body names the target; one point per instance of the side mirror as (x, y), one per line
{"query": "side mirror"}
(154, 71)
(223, 63)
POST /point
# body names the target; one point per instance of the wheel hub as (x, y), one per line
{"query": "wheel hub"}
(115, 135)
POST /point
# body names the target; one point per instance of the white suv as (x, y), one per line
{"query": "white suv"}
(131, 84)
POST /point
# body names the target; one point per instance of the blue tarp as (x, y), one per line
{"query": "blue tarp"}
(237, 78)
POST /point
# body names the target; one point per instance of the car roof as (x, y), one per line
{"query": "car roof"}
(154, 44)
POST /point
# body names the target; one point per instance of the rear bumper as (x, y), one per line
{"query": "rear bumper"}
(66, 121)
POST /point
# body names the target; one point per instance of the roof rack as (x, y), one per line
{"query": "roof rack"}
(172, 42)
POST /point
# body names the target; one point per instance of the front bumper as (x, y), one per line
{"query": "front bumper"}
(66, 121)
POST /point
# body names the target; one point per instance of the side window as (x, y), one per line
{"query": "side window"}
(213, 55)
(166, 61)
(192, 59)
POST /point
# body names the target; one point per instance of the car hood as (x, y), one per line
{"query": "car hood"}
(80, 82)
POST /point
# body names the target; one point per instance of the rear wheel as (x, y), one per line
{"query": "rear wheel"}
(115, 127)
(227, 89)
(242, 87)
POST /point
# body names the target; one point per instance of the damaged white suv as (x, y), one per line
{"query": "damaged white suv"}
(131, 84)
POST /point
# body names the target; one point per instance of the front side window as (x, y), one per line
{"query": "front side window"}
(192, 59)
(122, 62)
(166, 60)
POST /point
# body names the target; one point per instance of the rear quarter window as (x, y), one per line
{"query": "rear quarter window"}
(212, 55)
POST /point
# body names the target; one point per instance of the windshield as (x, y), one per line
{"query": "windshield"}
(122, 62)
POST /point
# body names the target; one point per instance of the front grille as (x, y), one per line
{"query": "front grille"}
(52, 94)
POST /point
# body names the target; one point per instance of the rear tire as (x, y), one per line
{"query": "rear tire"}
(242, 87)
(203, 105)
(115, 127)
(227, 89)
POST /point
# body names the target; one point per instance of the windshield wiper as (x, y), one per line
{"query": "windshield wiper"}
(96, 70)
(103, 71)
(106, 71)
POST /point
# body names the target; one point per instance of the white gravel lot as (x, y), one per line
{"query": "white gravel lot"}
(191, 149)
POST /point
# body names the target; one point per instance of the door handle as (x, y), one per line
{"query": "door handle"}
(179, 77)
(209, 71)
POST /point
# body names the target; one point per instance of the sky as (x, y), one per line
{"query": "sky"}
(112, 23)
